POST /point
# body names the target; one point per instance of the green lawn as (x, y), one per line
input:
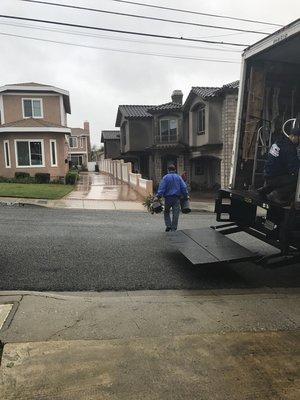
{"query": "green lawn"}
(34, 190)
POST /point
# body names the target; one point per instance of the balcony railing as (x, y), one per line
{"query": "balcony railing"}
(166, 139)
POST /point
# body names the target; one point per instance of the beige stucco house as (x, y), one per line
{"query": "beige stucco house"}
(80, 146)
(34, 136)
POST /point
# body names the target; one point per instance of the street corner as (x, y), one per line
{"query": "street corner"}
(5, 310)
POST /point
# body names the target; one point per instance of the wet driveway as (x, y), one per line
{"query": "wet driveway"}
(95, 186)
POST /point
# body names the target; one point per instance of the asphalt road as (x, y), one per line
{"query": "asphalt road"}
(70, 250)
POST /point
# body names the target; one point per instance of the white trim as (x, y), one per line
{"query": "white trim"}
(35, 89)
(9, 154)
(62, 111)
(73, 147)
(272, 40)
(33, 99)
(28, 141)
(2, 117)
(31, 94)
(55, 150)
(77, 152)
(34, 129)
(238, 123)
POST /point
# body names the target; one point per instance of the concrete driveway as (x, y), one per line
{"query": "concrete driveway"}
(102, 192)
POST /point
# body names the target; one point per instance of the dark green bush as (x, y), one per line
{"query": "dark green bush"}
(71, 177)
(42, 177)
(22, 176)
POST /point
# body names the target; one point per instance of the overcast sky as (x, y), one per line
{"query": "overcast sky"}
(98, 80)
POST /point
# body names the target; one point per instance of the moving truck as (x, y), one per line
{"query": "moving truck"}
(268, 106)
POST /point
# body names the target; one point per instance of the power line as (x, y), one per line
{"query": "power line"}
(47, 3)
(121, 50)
(121, 31)
(118, 38)
(197, 13)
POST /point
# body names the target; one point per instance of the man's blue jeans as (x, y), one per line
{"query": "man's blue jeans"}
(172, 203)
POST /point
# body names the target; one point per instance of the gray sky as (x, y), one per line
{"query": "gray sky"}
(99, 80)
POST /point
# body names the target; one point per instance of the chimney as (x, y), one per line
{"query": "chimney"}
(86, 126)
(177, 96)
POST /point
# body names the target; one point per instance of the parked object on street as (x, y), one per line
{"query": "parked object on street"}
(269, 102)
(172, 188)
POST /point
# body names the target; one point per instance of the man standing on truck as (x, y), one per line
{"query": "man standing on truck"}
(281, 169)
(172, 188)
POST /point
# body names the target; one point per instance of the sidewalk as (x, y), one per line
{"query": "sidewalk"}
(96, 191)
(212, 345)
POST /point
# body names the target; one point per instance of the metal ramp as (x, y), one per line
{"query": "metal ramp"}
(208, 246)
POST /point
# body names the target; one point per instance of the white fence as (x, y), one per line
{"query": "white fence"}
(123, 171)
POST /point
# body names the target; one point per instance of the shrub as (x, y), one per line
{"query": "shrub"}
(42, 177)
(71, 177)
(22, 176)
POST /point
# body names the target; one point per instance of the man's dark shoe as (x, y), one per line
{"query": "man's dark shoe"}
(168, 229)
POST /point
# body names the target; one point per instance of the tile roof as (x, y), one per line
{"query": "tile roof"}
(205, 92)
(232, 85)
(31, 123)
(165, 106)
(135, 111)
(110, 135)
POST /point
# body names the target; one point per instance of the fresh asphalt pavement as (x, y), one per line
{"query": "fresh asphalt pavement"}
(74, 250)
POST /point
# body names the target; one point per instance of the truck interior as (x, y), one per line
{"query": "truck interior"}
(270, 107)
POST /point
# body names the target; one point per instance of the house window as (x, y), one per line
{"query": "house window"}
(32, 108)
(168, 129)
(53, 153)
(201, 120)
(29, 153)
(7, 154)
(76, 160)
(73, 142)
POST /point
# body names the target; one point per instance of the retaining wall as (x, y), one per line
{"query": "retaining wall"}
(123, 171)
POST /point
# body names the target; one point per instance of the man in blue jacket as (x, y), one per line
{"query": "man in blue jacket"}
(281, 169)
(172, 188)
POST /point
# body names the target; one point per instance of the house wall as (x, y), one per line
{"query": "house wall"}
(55, 172)
(112, 148)
(139, 135)
(12, 105)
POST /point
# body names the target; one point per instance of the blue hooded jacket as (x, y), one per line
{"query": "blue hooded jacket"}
(282, 159)
(172, 185)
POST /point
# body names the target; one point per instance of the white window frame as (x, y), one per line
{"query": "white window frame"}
(169, 129)
(7, 165)
(73, 147)
(29, 141)
(51, 155)
(31, 99)
(202, 110)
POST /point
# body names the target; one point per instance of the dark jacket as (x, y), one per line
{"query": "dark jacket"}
(172, 185)
(282, 159)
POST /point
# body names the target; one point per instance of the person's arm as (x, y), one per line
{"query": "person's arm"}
(183, 188)
(161, 188)
(293, 162)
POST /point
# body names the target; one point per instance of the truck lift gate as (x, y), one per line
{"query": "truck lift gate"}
(208, 246)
